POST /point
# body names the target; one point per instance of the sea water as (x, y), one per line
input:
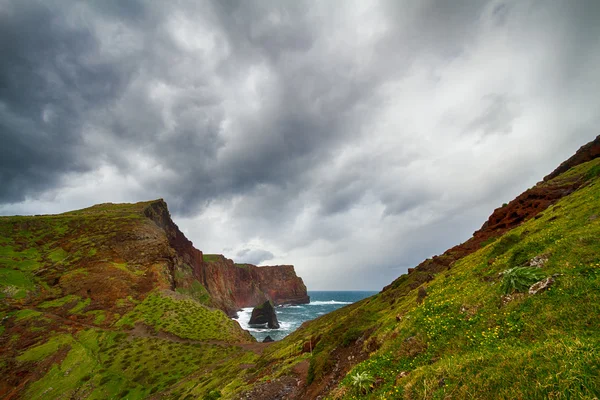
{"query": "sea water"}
(291, 317)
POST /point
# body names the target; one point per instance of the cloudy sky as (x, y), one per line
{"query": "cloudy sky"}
(352, 139)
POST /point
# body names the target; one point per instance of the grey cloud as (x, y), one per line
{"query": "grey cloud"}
(253, 256)
(497, 117)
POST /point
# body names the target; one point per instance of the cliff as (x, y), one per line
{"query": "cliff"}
(231, 286)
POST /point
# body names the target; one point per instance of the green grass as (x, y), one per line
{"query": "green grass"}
(465, 340)
(212, 257)
(26, 314)
(15, 283)
(185, 318)
(80, 306)
(42, 351)
(110, 365)
(59, 302)
(535, 346)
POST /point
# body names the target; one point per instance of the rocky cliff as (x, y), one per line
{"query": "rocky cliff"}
(231, 286)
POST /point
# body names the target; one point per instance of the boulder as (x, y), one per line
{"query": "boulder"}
(541, 286)
(264, 314)
(268, 339)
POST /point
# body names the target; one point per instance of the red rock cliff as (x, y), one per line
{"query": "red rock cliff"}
(230, 286)
(234, 286)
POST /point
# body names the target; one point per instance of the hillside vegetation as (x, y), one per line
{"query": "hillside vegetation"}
(472, 329)
(88, 309)
(100, 303)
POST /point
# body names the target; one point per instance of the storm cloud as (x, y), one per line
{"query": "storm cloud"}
(352, 140)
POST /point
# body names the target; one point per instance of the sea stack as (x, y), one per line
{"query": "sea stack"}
(264, 314)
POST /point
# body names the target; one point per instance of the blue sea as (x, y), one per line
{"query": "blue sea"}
(291, 317)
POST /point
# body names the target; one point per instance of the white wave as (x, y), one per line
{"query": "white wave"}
(322, 303)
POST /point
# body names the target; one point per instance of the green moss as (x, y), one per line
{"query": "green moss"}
(99, 316)
(197, 291)
(26, 314)
(184, 318)
(15, 283)
(212, 257)
(59, 302)
(80, 306)
(58, 255)
(100, 363)
(44, 350)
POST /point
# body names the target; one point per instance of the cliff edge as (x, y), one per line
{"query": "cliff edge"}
(231, 286)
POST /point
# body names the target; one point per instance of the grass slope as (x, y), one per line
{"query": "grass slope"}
(87, 311)
(461, 336)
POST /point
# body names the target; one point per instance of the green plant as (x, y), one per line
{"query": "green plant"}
(504, 244)
(351, 336)
(362, 382)
(212, 395)
(519, 279)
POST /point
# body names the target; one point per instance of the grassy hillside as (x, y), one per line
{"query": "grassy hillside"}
(88, 310)
(473, 330)
(98, 304)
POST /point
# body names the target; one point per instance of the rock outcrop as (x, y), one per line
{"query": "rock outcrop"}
(230, 286)
(264, 314)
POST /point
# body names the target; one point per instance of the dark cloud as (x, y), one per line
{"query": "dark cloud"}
(49, 81)
(344, 139)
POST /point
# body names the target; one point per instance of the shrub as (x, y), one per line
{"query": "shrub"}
(593, 172)
(519, 279)
(362, 382)
(212, 395)
(504, 244)
(351, 336)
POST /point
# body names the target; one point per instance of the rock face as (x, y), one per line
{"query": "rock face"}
(264, 314)
(245, 285)
(230, 286)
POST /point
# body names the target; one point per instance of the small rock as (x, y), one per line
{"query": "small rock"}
(400, 376)
(268, 339)
(541, 285)
(538, 261)
(398, 318)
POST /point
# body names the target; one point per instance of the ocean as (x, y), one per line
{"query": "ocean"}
(291, 317)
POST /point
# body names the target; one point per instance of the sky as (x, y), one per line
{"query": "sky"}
(351, 139)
